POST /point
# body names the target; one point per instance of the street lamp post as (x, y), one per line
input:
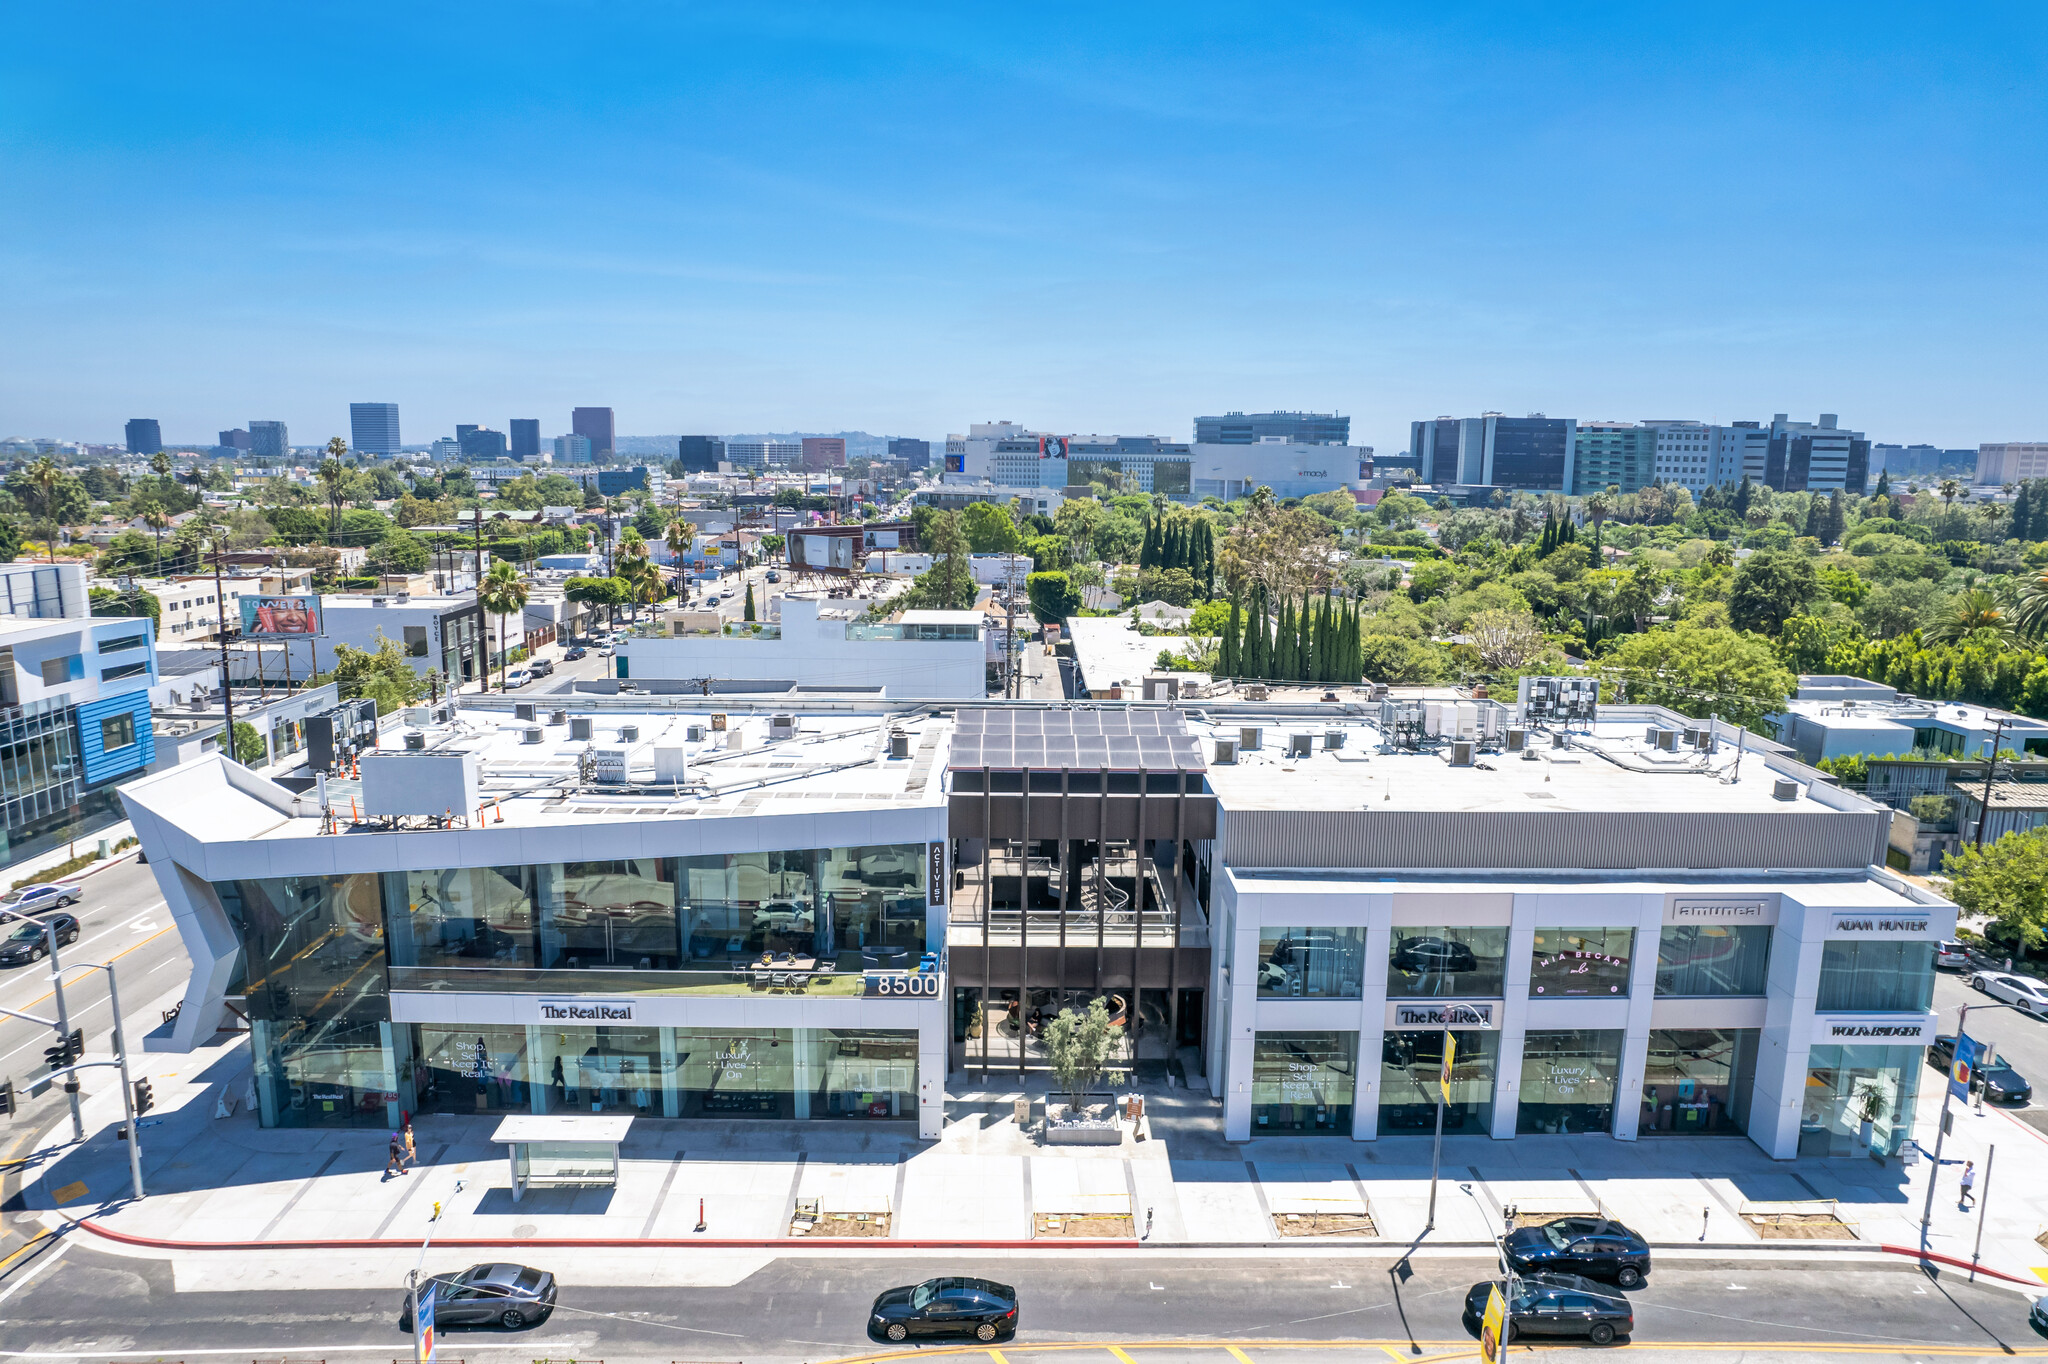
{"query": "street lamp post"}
(1941, 1128)
(412, 1281)
(63, 1022)
(1452, 1013)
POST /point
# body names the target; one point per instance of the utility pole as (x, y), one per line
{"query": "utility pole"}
(1010, 628)
(227, 699)
(1990, 771)
(483, 625)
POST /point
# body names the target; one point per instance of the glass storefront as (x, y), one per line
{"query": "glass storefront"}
(1876, 977)
(1411, 1066)
(1713, 959)
(1568, 1080)
(1327, 963)
(1697, 1081)
(1581, 961)
(797, 1073)
(324, 1073)
(1859, 1099)
(1447, 963)
(1303, 1081)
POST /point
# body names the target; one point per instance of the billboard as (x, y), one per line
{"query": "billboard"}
(280, 617)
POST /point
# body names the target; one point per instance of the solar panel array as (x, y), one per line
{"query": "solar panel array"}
(1087, 740)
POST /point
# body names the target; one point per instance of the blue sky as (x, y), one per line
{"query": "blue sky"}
(1087, 218)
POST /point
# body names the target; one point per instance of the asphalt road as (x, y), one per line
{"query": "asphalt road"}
(93, 1305)
(2021, 1038)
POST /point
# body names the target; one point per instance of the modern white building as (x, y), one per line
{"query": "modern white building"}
(1836, 717)
(2011, 462)
(662, 914)
(816, 648)
(1007, 455)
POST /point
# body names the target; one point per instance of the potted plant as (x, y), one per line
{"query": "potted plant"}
(1870, 1108)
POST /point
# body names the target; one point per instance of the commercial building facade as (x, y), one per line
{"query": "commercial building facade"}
(1815, 457)
(824, 452)
(1521, 454)
(373, 428)
(525, 432)
(594, 423)
(1289, 428)
(2011, 462)
(1007, 455)
(269, 440)
(145, 436)
(917, 454)
(700, 454)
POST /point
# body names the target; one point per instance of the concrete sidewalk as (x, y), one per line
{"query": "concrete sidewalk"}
(217, 1180)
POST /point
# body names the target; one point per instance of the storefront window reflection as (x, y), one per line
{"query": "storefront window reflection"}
(1581, 961)
(1713, 959)
(1447, 963)
(1698, 1081)
(323, 1073)
(608, 914)
(1568, 1080)
(471, 1070)
(1326, 963)
(1303, 1081)
(1859, 1099)
(462, 917)
(1411, 1066)
(1876, 977)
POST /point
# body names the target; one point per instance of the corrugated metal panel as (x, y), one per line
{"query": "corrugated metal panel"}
(1560, 840)
(102, 763)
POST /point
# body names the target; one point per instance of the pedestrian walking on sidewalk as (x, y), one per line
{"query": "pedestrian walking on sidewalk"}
(394, 1163)
(412, 1150)
(1969, 1185)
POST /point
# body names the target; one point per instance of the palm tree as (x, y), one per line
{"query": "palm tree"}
(502, 594)
(632, 560)
(679, 534)
(1598, 508)
(44, 476)
(332, 476)
(2030, 610)
(1974, 614)
(154, 517)
(1950, 490)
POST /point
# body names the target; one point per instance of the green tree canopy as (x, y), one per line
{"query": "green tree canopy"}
(1700, 671)
(400, 551)
(2006, 881)
(1768, 587)
(383, 675)
(1053, 597)
(990, 529)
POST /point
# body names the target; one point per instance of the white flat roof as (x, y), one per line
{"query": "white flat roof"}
(562, 1127)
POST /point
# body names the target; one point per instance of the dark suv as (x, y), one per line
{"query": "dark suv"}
(1592, 1246)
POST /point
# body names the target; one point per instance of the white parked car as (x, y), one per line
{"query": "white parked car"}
(2029, 994)
(516, 678)
(1952, 954)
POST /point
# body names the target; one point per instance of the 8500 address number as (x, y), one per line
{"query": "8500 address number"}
(899, 985)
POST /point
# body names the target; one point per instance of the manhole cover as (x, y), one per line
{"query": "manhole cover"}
(524, 1229)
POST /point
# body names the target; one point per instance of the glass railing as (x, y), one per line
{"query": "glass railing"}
(799, 975)
(913, 632)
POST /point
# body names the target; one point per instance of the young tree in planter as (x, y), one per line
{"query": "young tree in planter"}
(1078, 1044)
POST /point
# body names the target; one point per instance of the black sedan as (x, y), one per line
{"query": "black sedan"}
(1433, 956)
(575, 652)
(28, 942)
(1999, 1081)
(978, 1308)
(510, 1296)
(1555, 1305)
(1580, 1245)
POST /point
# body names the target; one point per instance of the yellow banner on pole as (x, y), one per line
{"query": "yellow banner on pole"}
(1450, 1053)
(1490, 1325)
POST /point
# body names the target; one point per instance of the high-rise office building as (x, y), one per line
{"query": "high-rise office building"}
(373, 428)
(824, 452)
(236, 439)
(525, 438)
(700, 454)
(596, 424)
(2008, 462)
(1294, 428)
(572, 449)
(1614, 455)
(463, 430)
(145, 436)
(269, 440)
(763, 454)
(916, 453)
(1523, 454)
(480, 442)
(1816, 457)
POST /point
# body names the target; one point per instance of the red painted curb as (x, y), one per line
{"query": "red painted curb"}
(613, 1242)
(1950, 1260)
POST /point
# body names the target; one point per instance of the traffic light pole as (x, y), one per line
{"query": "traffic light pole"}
(63, 1014)
(128, 1104)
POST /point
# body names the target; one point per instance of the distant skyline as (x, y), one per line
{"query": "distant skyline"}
(904, 220)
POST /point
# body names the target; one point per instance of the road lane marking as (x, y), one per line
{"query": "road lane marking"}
(1239, 1355)
(38, 1267)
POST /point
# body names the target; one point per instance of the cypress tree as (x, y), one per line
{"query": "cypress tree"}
(1148, 548)
(1745, 493)
(1319, 643)
(1254, 662)
(1838, 517)
(1283, 641)
(2022, 511)
(1304, 655)
(1226, 662)
(1884, 482)
(1549, 540)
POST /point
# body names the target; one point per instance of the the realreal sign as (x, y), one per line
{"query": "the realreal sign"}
(1880, 923)
(585, 1011)
(1443, 1015)
(1763, 912)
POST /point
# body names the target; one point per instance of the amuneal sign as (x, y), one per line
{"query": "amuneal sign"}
(1762, 912)
(584, 1011)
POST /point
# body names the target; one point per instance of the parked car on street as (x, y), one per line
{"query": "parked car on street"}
(575, 653)
(2029, 994)
(980, 1309)
(541, 667)
(25, 943)
(1555, 1305)
(37, 899)
(511, 1296)
(1999, 1081)
(773, 576)
(517, 677)
(1952, 955)
(1592, 1246)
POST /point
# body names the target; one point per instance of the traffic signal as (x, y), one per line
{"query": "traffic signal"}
(57, 1057)
(144, 1100)
(75, 1045)
(7, 1098)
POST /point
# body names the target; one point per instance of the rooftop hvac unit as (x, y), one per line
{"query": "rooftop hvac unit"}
(1667, 740)
(736, 738)
(560, 717)
(522, 710)
(415, 715)
(1518, 738)
(718, 721)
(443, 713)
(1379, 691)
(671, 763)
(404, 783)
(1461, 753)
(1255, 691)
(899, 745)
(1703, 738)
(1492, 720)
(415, 740)
(579, 728)
(608, 764)
(629, 734)
(1248, 738)
(694, 733)
(1784, 789)
(532, 734)
(1433, 718)
(1333, 738)
(1226, 752)
(781, 726)
(1301, 745)
(1464, 719)
(1558, 739)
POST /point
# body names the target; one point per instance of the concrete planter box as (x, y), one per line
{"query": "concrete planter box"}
(1095, 1123)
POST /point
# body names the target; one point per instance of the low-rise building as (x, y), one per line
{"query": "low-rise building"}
(818, 648)
(1834, 716)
